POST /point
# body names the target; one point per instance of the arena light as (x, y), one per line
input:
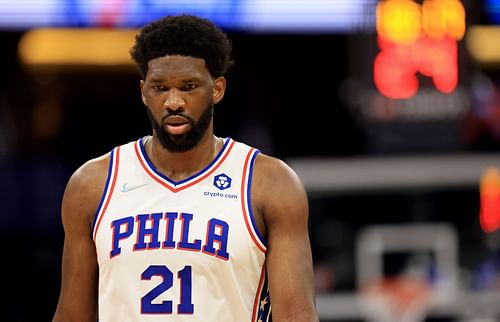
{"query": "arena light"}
(490, 200)
(248, 16)
(443, 18)
(492, 10)
(482, 46)
(399, 20)
(417, 38)
(74, 47)
(396, 67)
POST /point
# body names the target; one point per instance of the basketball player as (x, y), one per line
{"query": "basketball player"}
(183, 225)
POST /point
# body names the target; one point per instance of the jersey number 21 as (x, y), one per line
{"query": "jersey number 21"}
(185, 305)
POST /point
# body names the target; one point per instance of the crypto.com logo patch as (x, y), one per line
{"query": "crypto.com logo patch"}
(222, 181)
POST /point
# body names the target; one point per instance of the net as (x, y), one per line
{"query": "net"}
(395, 299)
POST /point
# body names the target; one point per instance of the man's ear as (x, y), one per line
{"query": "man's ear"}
(219, 89)
(142, 92)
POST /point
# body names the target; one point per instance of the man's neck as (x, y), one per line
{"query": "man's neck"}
(181, 165)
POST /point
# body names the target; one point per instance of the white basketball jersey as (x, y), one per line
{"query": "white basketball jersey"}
(184, 250)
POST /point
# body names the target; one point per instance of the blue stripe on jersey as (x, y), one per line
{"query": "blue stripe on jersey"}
(249, 186)
(264, 311)
(175, 183)
(108, 179)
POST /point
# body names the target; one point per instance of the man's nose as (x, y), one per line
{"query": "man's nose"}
(174, 100)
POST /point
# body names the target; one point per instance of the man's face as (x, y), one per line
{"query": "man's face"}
(185, 141)
(180, 93)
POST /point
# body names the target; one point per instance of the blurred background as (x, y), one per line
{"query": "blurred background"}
(388, 110)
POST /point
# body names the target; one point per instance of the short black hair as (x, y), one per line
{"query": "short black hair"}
(184, 35)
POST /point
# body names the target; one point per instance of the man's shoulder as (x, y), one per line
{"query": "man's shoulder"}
(96, 164)
(275, 187)
(84, 189)
(274, 171)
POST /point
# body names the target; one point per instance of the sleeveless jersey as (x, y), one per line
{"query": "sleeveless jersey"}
(184, 250)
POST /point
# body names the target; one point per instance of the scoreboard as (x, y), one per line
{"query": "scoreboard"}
(417, 38)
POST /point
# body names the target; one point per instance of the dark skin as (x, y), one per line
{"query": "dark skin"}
(279, 202)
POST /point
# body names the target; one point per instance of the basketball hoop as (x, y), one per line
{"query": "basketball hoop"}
(395, 299)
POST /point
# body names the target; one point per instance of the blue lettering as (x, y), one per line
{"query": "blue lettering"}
(148, 231)
(118, 235)
(220, 239)
(152, 231)
(169, 234)
(184, 244)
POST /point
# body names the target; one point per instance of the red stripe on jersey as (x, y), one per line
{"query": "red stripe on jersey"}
(257, 295)
(110, 190)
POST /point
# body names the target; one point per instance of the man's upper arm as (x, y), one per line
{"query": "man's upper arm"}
(78, 297)
(284, 206)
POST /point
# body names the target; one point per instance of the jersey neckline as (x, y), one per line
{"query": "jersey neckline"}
(173, 185)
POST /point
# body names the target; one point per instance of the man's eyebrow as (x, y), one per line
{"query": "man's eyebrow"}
(191, 80)
(185, 81)
(157, 80)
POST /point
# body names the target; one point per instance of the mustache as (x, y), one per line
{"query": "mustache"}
(176, 113)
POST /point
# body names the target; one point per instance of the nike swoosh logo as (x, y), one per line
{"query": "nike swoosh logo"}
(126, 187)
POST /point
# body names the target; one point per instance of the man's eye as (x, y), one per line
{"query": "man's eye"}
(188, 87)
(160, 88)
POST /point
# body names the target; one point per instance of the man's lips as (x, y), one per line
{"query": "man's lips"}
(176, 124)
(174, 120)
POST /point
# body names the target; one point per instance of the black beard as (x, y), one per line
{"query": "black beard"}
(186, 141)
